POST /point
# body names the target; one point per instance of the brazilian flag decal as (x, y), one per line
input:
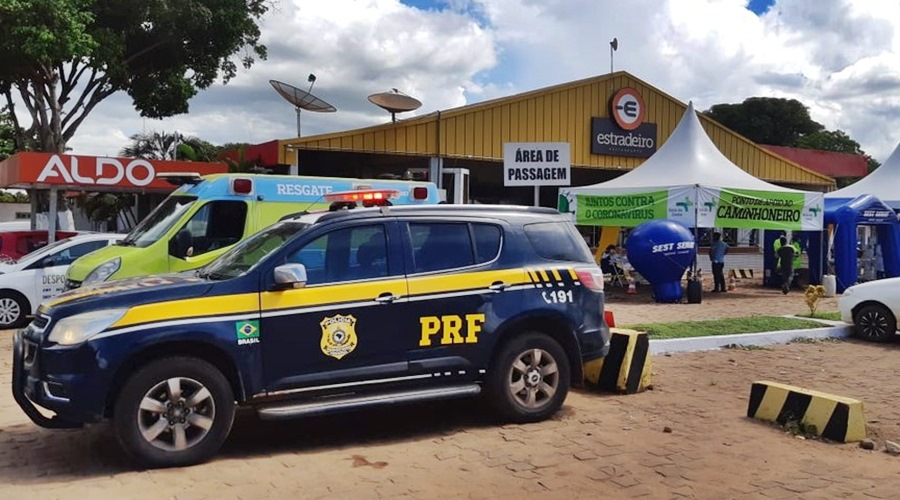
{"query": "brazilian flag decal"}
(247, 332)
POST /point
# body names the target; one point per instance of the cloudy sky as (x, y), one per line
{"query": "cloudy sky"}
(839, 57)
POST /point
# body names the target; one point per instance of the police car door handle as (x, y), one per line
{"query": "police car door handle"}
(386, 298)
(497, 286)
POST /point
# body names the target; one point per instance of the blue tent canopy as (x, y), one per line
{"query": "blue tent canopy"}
(845, 215)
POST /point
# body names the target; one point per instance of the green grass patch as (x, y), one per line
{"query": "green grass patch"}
(727, 326)
(833, 316)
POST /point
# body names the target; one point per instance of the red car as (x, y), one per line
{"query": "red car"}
(16, 244)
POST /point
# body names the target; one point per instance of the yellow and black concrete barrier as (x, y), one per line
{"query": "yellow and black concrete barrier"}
(832, 417)
(626, 369)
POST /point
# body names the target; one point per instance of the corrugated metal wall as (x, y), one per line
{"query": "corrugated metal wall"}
(555, 114)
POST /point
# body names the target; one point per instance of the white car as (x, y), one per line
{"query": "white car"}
(873, 308)
(42, 274)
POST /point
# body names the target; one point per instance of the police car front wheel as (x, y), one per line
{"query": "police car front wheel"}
(530, 380)
(174, 411)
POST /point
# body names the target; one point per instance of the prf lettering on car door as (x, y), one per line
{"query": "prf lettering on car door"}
(453, 329)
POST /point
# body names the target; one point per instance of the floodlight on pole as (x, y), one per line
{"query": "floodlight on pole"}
(613, 46)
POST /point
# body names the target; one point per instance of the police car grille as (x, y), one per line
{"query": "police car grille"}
(39, 322)
(72, 284)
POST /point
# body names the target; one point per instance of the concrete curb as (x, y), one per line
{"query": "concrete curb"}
(837, 330)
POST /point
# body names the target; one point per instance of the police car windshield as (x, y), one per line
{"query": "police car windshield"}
(158, 223)
(250, 252)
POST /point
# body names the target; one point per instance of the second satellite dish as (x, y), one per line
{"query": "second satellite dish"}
(395, 102)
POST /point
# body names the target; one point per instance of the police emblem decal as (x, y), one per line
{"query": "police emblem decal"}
(338, 336)
(247, 332)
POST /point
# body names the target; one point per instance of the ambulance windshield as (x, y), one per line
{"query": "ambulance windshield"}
(158, 223)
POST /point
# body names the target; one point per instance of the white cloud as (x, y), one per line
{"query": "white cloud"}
(839, 57)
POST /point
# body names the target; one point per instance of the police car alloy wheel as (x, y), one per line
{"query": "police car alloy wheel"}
(174, 411)
(12, 310)
(530, 380)
(876, 323)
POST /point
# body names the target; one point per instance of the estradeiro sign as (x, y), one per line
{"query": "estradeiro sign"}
(536, 164)
(624, 133)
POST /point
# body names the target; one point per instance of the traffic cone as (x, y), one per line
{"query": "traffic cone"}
(731, 282)
(632, 289)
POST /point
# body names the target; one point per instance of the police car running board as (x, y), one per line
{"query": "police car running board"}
(319, 407)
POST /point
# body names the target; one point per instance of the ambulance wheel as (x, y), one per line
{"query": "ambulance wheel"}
(530, 379)
(876, 323)
(13, 310)
(174, 411)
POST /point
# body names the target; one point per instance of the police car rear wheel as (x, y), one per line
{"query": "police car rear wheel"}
(531, 378)
(174, 411)
(12, 310)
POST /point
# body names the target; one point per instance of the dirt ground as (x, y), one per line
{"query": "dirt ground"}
(599, 446)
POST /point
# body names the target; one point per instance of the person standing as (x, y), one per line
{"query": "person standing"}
(785, 264)
(879, 262)
(717, 251)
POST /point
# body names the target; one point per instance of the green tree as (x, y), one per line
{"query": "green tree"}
(767, 120)
(63, 57)
(169, 146)
(7, 135)
(830, 140)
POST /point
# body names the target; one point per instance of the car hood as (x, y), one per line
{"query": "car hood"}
(127, 293)
(886, 287)
(9, 268)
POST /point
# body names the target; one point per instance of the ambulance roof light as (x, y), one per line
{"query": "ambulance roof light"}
(242, 185)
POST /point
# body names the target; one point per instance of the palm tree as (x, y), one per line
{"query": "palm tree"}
(169, 146)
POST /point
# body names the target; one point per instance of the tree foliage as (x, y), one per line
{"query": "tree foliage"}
(170, 146)
(60, 58)
(7, 135)
(767, 120)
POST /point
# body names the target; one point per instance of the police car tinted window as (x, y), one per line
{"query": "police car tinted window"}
(349, 254)
(437, 246)
(487, 242)
(558, 241)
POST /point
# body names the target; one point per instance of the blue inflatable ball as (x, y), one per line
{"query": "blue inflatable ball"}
(661, 250)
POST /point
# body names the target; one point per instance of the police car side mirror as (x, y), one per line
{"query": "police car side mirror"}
(289, 276)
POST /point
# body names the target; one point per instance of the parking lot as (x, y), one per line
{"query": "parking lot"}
(598, 446)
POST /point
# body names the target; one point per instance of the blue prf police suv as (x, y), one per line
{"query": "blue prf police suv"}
(323, 313)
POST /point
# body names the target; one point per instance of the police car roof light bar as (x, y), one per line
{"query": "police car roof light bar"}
(362, 195)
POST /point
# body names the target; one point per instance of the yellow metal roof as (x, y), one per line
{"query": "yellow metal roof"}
(561, 113)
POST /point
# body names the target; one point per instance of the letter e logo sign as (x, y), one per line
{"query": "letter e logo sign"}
(627, 108)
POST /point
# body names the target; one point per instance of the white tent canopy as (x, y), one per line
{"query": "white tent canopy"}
(882, 183)
(689, 180)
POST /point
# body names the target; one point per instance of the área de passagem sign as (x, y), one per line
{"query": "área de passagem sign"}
(536, 164)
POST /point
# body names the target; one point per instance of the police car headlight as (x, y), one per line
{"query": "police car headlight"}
(103, 272)
(81, 327)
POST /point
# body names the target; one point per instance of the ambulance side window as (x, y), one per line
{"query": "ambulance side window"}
(349, 254)
(215, 225)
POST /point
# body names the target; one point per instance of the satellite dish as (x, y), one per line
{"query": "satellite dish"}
(302, 99)
(395, 102)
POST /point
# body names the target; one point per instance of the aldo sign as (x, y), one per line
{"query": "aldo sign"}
(625, 133)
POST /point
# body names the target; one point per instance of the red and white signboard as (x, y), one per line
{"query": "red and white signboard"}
(41, 170)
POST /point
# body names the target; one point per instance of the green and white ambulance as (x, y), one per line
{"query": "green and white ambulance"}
(207, 215)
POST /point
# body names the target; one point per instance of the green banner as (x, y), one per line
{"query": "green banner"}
(753, 209)
(620, 210)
